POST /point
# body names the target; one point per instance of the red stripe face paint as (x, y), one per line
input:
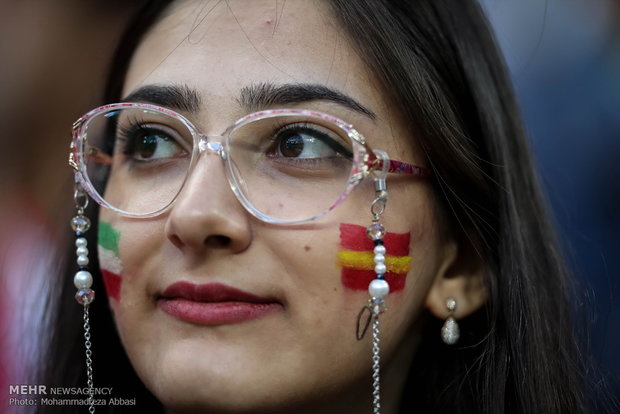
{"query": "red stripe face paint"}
(112, 283)
(358, 279)
(353, 237)
(356, 258)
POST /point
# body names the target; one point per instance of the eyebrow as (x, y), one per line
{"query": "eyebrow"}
(252, 98)
(261, 95)
(178, 97)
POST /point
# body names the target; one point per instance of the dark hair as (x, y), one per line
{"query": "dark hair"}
(66, 365)
(438, 64)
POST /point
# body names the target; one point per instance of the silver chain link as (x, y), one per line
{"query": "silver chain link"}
(89, 362)
(376, 364)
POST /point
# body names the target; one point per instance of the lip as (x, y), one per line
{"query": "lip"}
(214, 304)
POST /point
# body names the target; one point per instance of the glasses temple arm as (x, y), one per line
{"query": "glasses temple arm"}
(400, 167)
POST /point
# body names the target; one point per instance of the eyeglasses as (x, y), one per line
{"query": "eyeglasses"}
(284, 166)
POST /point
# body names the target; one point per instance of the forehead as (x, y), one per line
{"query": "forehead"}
(219, 47)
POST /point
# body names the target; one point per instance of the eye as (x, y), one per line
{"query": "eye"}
(154, 146)
(307, 142)
(146, 143)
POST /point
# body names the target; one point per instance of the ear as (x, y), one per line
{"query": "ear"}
(461, 276)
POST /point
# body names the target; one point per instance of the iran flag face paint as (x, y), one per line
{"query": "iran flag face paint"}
(109, 261)
(357, 258)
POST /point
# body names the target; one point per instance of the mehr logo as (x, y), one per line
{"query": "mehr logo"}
(27, 390)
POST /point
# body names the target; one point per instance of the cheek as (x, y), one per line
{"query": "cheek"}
(356, 258)
(109, 259)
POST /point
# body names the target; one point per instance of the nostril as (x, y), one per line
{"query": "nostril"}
(176, 240)
(217, 241)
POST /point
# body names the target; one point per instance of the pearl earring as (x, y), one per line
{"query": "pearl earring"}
(83, 281)
(450, 330)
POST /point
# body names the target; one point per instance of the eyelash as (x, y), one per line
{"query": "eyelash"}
(127, 136)
(322, 136)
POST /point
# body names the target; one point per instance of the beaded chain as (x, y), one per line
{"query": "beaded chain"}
(378, 287)
(378, 290)
(83, 281)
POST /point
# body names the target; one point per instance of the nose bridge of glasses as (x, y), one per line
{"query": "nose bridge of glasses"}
(207, 144)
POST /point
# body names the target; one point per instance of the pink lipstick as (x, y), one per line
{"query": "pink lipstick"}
(214, 304)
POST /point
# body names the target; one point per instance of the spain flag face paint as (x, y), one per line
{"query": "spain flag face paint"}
(357, 258)
(109, 261)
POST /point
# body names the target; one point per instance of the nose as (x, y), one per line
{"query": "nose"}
(206, 214)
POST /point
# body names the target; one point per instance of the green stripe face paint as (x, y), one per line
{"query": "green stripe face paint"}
(109, 260)
(108, 237)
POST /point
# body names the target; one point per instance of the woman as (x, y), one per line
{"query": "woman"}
(238, 283)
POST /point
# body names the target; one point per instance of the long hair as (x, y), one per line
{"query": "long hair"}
(438, 64)
(66, 365)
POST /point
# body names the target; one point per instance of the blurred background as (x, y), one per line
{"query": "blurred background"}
(53, 64)
(564, 58)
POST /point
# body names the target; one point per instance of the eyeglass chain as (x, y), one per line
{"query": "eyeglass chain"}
(83, 281)
(379, 287)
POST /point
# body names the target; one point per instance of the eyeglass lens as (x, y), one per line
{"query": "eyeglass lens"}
(288, 167)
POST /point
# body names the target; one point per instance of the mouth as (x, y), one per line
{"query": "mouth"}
(214, 304)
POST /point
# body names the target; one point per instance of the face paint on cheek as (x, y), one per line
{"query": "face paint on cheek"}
(109, 260)
(357, 258)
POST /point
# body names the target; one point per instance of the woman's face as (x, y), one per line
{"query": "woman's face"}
(297, 348)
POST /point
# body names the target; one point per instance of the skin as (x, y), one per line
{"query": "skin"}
(304, 357)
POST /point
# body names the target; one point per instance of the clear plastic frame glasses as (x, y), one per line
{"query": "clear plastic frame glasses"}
(284, 166)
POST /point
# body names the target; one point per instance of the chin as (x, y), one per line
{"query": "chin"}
(223, 395)
(192, 376)
(227, 370)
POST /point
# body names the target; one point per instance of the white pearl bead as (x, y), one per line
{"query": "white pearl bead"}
(81, 251)
(82, 260)
(379, 249)
(378, 288)
(379, 258)
(81, 242)
(83, 280)
(380, 268)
